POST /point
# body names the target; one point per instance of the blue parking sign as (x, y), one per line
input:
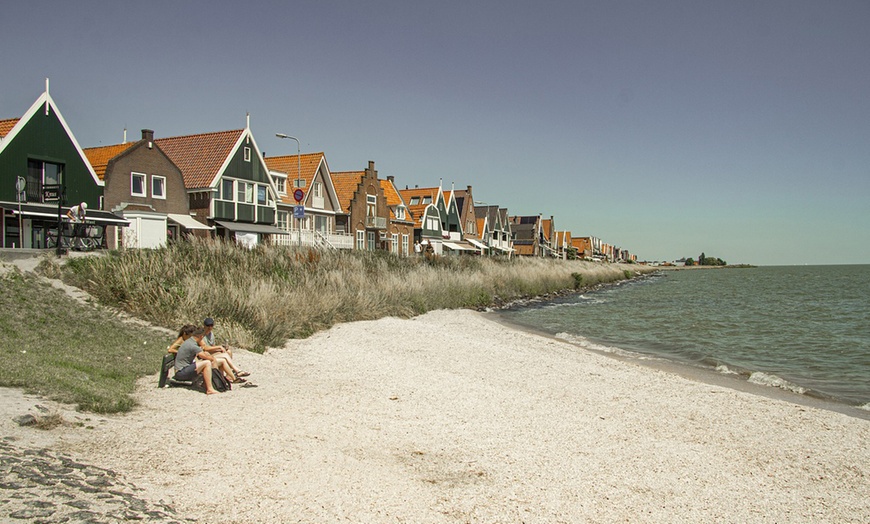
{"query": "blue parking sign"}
(298, 211)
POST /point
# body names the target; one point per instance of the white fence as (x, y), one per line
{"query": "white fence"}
(314, 239)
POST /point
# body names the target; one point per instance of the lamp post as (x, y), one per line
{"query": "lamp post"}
(298, 176)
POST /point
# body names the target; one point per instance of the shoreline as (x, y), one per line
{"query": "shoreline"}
(453, 417)
(710, 376)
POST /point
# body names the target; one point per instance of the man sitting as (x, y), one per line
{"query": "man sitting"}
(191, 361)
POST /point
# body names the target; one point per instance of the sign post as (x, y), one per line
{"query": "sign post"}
(19, 189)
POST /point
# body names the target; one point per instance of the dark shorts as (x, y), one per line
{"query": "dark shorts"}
(186, 373)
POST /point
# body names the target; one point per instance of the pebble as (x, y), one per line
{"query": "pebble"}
(42, 486)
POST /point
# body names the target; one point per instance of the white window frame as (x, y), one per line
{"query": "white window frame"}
(134, 175)
(281, 185)
(394, 244)
(262, 190)
(162, 180)
(372, 242)
(247, 154)
(400, 212)
(232, 190)
(361, 239)
(406, 245)
(317, 189)
(283, 218)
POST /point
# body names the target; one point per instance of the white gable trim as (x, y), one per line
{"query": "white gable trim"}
(45, 99)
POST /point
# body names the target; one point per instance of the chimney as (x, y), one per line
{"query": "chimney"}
(391, 178)
(148, 134)
(469, 189)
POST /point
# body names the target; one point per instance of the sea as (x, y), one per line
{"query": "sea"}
(801, 329)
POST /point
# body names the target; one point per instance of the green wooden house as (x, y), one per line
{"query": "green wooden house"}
(39, 149)
(228, 183)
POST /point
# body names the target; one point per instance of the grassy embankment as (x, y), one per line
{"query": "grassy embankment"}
(259, 298)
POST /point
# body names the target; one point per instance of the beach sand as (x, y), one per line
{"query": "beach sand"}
(452, 417)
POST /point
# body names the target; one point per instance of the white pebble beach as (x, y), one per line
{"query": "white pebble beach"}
(453, 417)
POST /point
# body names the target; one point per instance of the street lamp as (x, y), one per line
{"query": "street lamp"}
(298, 183)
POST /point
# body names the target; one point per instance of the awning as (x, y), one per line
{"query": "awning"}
(187, 221)
(457, 247)
(95, 216)
(477, 243)
(243, 227)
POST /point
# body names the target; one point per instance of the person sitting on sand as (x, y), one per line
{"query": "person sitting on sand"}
(219, 352)
(191, 361)
(173, 348)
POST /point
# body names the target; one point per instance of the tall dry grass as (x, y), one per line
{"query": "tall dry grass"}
(262, 297)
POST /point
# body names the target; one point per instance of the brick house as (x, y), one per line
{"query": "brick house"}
(366, 216)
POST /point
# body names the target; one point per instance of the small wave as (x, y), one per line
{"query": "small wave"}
(725, 370)
(865, 407)
(585, 343)
(763, 379)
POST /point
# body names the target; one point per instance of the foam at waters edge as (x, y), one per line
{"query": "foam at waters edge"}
(588, 344)
(763, 379)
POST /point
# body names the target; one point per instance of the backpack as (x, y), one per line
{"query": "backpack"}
(218, 382)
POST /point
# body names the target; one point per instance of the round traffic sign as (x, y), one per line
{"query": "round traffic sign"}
(298, 195)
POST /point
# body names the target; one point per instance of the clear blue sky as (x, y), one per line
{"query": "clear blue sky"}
(740, 129)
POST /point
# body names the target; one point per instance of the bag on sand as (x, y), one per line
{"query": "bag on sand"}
(218, 382)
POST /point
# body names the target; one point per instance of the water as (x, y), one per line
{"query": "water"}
(805, 329)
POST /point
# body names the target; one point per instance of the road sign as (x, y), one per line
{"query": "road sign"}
(50, 192)
(20, 184)
(299, 212)
(298, 195)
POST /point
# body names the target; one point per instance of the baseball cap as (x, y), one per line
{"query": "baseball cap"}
(208, 321)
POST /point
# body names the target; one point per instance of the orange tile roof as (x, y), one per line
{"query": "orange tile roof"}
(481, 222)
(291, 165)
(524, 249)
(7, 125)
(99, 156)
(200, 157)
(394, 199)
(346, 183)
(545, 228)
(417, 211)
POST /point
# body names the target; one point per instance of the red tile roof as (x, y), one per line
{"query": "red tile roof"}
(200, 157)
(7, 125)
(291, 166)
(99, 156)
(346, 184)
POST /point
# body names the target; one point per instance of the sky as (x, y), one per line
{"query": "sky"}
(740, 129)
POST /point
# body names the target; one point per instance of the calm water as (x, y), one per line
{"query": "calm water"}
(801, 328)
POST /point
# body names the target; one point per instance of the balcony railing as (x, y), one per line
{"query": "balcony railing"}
(315, 239)
(376, 222)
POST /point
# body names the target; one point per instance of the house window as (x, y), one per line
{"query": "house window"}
(247, 154)
(262, 198)
(283, 220)
(227, 190)
(321, 224)
(400, 213)
(137, 184)
(371, 205)
(427, 200)
(415, 201)
(371, 239)
(41, 174)
(281, 185)
(433, 224)
(360, 239)
(406, 245)
(317, 189)
(245, 192)
(158, 187)
(394, 246)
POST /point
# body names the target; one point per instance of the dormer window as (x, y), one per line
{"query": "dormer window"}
(281, 185)
(400, 213)
(415, 201)
(427, 200)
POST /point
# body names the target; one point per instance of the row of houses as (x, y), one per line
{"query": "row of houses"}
(145, 193)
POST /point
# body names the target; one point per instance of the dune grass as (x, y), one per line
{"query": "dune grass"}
(261, 297)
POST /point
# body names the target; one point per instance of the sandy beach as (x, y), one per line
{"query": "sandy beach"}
(452, 417)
